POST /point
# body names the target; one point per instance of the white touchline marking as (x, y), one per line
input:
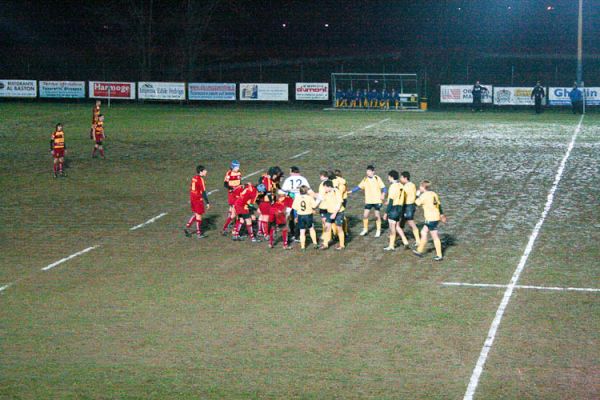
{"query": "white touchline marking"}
(54, 264)
(489, 341)
(252, 174)
(300, 154)
(365, 128)
(493, 285)
(212, 191)
(5, 287)
(151, 220)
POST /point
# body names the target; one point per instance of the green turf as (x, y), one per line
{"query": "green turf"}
(152, 314)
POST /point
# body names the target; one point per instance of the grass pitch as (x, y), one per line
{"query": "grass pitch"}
(151, 314)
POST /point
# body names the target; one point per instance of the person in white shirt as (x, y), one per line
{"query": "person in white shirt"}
(291, 186)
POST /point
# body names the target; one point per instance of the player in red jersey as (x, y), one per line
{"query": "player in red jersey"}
(99, 136)
(58, 148)
(95, 114)
(264, 211)
(242, 205)
(232, 181)
(279, 212)
(198, 200)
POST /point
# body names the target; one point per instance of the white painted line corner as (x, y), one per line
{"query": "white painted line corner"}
(54, 264)
(491, 336)
(151, 220)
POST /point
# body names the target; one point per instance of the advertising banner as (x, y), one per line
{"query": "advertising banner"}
(513, 96)
(161, 90)
(312, 91)
(461, 94)
(211, 91)
(18, 88)
(62, 89)
(118, 90)
(559, 96)
(264, 91)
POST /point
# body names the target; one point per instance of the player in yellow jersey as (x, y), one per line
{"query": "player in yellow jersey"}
(324, 177)
(432, 209)
(393, 212)
(335, 215)
(408, 204)
(374, 194)
(305, 205)
(342, 185)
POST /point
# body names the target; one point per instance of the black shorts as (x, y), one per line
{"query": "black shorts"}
(394, 213)
(432, 225)
(339, 218)
(99, 142)
(375, 207)
(245, 216)
(409, 212)
(323, 212)
(305, 221)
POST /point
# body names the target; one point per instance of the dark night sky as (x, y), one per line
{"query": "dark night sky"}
(39, 31)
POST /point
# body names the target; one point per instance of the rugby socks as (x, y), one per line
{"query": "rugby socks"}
(378, 224)
(402, 235)
(422, 244)
(438, 247)
(227, 222)
(55, 167)
(198, 226)
(189, 223)
(237, 227)
(102, 153)
(284, 234)
(334, 230)
(342, 238)
(345, 225)
(93, 152)
(326, 238)
(60, 167)
(271, 236)
(366, 224)
(392, 239)
(303, 240)
(249, 228)
(415, 232)
(313, 235)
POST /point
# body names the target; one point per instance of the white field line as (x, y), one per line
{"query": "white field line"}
(5, 287)
(299, 154)
(252, 174)
(212, 191)
(491, 336)
(151, 220)
(364, 129)
(54, 264)
(493, 285)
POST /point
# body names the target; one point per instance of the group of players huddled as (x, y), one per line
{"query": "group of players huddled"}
(276, 205)
(372, 99)
(58, 146)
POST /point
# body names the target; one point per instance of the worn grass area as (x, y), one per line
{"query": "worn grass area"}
(151, 314)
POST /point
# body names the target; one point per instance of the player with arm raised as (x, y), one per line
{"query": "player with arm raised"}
(198, 201)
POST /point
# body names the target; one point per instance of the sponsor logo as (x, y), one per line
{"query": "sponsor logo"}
(503, 96)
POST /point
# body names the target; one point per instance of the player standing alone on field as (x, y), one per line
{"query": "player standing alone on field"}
(538, 94)
(95, 114)
(198, 201)
(58, 149)
(477, 93)
(99, 136)
(576, 99)
(432, 209)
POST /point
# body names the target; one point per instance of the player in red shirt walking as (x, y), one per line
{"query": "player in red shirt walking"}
(99, 136)
(232, 181)
(58, 148)
(199, 201)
